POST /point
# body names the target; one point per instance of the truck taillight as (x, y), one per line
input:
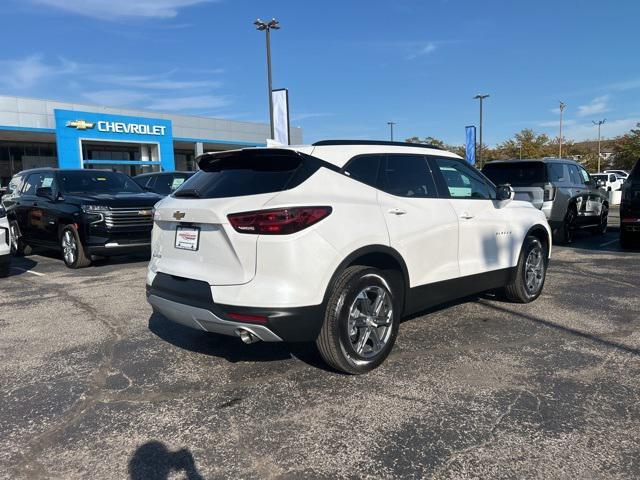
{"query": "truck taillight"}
(549, 193)
(280, 221)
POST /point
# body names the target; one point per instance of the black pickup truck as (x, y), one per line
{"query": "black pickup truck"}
(80, 213)
(630, 209)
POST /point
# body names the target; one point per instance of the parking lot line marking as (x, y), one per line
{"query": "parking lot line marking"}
(608, 243)
(29, 271)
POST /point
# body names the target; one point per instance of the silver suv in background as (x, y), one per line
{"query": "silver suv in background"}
(562, 189)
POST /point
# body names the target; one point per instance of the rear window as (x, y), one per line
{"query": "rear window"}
(165, 184)
(247, 172)
(516, 173)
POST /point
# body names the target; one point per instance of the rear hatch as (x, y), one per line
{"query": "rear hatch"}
(192, 236)
(528, 179)
(630, 207)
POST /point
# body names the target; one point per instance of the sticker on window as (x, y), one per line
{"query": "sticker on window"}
(176, 183)
(47, 182)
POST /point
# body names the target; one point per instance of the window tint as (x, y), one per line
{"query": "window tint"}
(462, 181)
(515, 173)
(31, 184)
(248, 172)
(96, 181)
(556, 173)
(612, 178)
(364, 168)
(584, 174)
(574, 175)
(168, 183)
(407, 176)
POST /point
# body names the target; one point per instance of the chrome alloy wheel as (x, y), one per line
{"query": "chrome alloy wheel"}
(534, 269)
(370, 321)
(14, 237)
(69, 247)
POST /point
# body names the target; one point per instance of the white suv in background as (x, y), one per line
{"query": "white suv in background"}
(5, 242)
(335, 242)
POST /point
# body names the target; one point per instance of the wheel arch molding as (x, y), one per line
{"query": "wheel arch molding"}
(382, 257)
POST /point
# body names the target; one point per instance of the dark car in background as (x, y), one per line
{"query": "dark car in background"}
(79, 213)
(164, 183)
(630, 209)
(562, 189)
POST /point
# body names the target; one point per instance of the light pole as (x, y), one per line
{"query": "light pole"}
(391, 124)
(599, 124)
(562, 107)
(481, 98)
(267, 27)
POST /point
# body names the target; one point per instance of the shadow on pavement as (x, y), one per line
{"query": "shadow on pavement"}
(564, 329)
(230, 348)
(20, 265)
(154, 461)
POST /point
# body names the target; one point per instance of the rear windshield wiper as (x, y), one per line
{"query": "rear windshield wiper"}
(188, 193)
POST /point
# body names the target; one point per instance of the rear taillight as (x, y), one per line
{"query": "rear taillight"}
(549, 193)
(281, 221)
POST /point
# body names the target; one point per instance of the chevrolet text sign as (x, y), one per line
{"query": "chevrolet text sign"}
(135, 128)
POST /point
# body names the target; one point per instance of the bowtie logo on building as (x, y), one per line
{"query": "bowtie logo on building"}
(80, 125)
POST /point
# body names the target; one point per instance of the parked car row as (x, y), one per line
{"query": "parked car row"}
(332, 243)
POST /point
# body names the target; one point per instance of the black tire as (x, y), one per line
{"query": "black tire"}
(568, 225)
(518, 289)
(18, 247)
(357, 285)
(625, 239)
(72, 249)
(601, 229)
(5, 264)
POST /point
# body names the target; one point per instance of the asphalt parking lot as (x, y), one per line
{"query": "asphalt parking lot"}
(95, 386)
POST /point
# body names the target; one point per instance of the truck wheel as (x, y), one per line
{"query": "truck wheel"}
(72, 249)
(361, 320)
(18, 247)
(568, 226)
(527, 282)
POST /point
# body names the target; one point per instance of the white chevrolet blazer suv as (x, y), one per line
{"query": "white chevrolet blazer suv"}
(336, 242)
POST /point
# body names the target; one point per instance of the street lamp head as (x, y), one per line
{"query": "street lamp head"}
(260, 25)
(274, 24)
(480, 97)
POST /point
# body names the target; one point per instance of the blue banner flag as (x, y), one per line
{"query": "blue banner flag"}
(470, 132)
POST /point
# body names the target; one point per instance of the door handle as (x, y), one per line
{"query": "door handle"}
(397, 211)
(466, 216)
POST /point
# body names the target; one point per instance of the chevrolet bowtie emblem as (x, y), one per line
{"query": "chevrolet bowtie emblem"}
(178, 215)
(80, 124)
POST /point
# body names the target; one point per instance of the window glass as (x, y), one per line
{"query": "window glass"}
(574, 175)
(364, 168)
(556, 173)
(96, 181)
(247, 172)
(584, 174)
(612, 178)
(31, 184)
(462, 181)
(407, 176)
(515, 173)
(166, 184)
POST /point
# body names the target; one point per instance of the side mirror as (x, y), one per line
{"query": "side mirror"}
(45, 192)
(505, 192)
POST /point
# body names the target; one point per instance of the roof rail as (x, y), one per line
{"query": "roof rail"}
(323, 143)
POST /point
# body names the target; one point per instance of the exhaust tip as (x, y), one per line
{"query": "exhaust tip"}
(246, 336)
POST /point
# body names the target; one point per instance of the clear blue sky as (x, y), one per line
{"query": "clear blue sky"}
(350, 66)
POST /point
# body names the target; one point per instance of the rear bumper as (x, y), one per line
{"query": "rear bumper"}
(189, 302)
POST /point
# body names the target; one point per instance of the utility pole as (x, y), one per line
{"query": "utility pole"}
(562, 107)
(481, 98)
(599, 123)
(267, 27)
(391, 124)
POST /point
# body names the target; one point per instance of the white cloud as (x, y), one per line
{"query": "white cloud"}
(115, 98)
(610, 129)
(110, 9)
(625, 85)
(195, 102)
(31, 70)
(597, 105)
(421, 50)
(156, 82)
(556, 123)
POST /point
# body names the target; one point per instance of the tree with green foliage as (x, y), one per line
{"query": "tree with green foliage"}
(626, 149)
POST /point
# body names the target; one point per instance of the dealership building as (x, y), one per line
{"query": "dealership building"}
(45, 133)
